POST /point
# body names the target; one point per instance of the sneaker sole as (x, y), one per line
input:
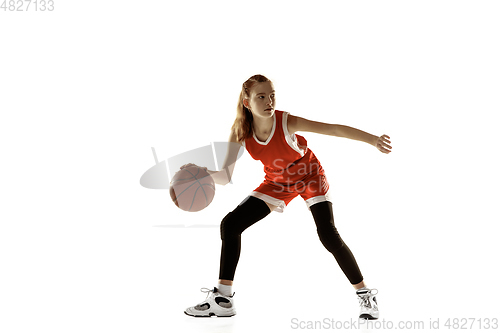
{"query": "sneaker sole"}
(367, 316)
(211, 314)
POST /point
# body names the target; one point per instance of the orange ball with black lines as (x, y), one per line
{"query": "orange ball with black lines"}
(192, 188)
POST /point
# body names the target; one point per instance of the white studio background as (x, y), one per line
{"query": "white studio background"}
(88, 88)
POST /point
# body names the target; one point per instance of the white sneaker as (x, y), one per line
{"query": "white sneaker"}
(216, 304)
(368, 303)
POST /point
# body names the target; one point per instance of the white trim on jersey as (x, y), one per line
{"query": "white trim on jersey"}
(270, 135)
(273, 201)
(292, 141)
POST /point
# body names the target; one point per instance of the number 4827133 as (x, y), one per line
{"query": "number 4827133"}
(27, 5)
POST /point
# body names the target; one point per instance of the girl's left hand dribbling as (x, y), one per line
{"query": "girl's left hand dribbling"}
(383, 144)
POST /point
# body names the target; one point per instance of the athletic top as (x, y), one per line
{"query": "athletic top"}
(286, 158)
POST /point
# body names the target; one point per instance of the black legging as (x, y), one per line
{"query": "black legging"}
(253, 209)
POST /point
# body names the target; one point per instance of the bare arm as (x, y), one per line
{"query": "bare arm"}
(296, 124)
(223, 176)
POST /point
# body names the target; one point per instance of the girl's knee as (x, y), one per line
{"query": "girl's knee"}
(227, 226)
(330, 238)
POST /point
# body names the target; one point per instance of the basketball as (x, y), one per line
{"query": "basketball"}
(192, 188)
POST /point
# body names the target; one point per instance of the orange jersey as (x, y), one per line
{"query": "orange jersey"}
(291, 168)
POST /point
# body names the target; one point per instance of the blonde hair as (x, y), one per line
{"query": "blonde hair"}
(242, 125)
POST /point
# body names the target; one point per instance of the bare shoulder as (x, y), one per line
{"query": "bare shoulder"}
(292, 124)
(299, 124)
(296, 124)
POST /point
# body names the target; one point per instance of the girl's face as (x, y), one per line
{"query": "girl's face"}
(262, 100)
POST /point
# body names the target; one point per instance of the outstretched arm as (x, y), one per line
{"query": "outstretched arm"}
(296, 124)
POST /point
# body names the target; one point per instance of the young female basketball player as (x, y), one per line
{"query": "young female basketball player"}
(291, 169)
